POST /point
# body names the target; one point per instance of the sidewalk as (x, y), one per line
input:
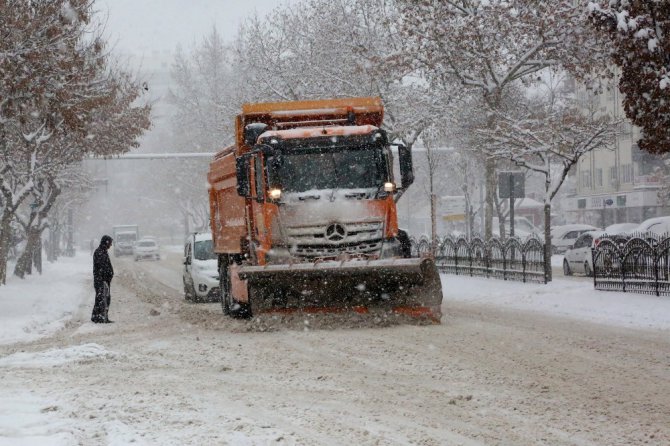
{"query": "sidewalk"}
(40, 305)
(563, 297)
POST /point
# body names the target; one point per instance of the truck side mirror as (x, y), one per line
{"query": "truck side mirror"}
(252, 132)
(242, 172)
(406, 169)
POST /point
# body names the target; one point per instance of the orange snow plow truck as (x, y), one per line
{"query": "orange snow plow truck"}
(304, 218)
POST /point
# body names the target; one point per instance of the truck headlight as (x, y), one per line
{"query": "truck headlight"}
(389, 187)
(275, 194)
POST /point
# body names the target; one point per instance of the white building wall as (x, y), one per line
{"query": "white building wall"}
(613, 185)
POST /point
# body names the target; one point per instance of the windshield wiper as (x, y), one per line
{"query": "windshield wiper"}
(357, 195)
(307, 197)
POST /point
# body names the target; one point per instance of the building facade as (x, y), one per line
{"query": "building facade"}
(619, 184)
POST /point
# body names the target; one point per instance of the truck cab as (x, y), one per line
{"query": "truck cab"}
(321, 193)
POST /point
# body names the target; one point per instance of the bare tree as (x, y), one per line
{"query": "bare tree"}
(205, 99)
(489, 46)
(58, 98)
(338, 48)
(549, 136)
(640, 46)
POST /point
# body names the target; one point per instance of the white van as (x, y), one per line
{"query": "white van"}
(200, 274)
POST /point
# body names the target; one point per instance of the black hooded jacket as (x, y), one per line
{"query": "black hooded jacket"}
(102, 266)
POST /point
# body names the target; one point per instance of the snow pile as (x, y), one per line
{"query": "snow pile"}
(28, 420)
(566, 297)
(40, 305)
(51, 358)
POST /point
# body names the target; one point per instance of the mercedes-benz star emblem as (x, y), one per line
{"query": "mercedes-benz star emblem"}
(335, 232)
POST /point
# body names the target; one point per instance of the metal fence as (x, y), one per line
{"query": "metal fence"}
(638, 264)
(509, 259)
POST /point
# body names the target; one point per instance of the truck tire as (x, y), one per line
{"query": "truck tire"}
(405, 244)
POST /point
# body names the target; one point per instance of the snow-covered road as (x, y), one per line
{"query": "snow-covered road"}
(524, 368)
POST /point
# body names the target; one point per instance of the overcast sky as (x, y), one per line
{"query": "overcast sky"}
(140, 27)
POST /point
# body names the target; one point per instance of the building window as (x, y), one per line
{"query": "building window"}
(621, 200)
(613, 175)
(599, 177)
(627, 173)
(586, 179)
(581, 203)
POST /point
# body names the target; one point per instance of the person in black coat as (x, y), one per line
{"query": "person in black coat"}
(102, 279)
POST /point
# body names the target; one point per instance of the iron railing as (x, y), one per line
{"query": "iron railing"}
(638, 264)
(509, 259)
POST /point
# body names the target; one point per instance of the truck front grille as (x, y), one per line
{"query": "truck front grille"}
(335, 239)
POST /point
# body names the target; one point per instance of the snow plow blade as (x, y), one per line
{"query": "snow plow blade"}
(407, 286)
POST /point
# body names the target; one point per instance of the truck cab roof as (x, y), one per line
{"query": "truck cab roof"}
(315, 132)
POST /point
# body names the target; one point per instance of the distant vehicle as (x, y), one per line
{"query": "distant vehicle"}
(578, 258)
(564, 236)
(201, 269)
(146, 248)
(125, 237)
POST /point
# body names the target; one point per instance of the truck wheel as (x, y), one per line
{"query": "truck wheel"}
(405, 244)
(229, 305)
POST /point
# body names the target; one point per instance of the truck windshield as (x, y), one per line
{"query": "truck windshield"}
(126, 237)
(203, 250)
(300, 171)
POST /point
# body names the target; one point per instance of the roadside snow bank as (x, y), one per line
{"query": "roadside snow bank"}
(40, 305)
(570, 297)
(56, 357)
(29, 420)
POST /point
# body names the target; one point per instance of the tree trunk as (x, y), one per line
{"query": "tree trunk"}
(5, 237)
(37, 254)
(547, 242)
(49, 246)
(187, 229)
(433, 223)
(24, 264)
(490, 197)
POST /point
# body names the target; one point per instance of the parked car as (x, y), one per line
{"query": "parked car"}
(200, 273)
(523, 228)
(564, 236)
(619, 228)
(658, 226)
(146, 248)
(578, 258)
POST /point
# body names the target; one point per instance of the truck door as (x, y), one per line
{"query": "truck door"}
(260, 230)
